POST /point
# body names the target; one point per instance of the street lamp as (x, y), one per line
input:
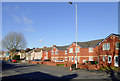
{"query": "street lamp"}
(76, 33)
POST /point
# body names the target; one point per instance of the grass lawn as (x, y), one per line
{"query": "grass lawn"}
(60, 64)
(107, 68)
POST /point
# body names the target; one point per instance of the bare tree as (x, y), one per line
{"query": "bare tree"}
(14, 41)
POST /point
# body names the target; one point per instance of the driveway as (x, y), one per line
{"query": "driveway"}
(38, 71)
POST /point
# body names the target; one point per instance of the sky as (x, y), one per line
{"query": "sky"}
(54, 23)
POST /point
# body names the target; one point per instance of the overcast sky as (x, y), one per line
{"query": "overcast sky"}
(53, 23)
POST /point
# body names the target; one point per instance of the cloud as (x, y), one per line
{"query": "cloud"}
(27, 21)
(30, 29)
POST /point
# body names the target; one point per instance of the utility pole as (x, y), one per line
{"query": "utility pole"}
(76, 34)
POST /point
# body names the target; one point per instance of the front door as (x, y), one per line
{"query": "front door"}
(116, 61)
(75, 59)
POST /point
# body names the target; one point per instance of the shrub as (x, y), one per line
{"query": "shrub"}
(16, 57)
(95, 62)
(73, 66)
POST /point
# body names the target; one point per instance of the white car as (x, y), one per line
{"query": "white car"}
(59, 60)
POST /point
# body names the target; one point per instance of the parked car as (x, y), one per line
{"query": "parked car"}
(59, 60)
(47, 60)
(14, 61)
(9, 60)
(37, 60)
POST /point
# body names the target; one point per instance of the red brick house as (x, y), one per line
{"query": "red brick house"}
(59, 53)
(46, 53)
(102, 50)
(109, 50)
(86, 51)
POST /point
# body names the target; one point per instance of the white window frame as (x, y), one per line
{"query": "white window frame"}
(70, 50)
(69, 58)
(78, 58)
(116, 45)
(106, 46)
(56, 52)
(90, 58)
(84, 61)
(110, 60)
(77, 50)
(103, 58)
(91, 49)
(52, 52)
(65, 51)
(53, 58)
(66, 58)
(72, 58)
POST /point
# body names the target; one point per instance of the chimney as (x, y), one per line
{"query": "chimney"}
(27, 48)
(54, 45)
(37, 48)
(45, 47)
(33, 48)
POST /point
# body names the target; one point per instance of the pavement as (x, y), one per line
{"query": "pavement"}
(43, 72)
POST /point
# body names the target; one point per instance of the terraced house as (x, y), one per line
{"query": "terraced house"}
(102, 50)
(46, 53)
(109, 50)
(36, 53)
(59, 53)
(86, 51)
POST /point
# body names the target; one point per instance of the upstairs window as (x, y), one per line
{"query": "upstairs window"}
(77, 50)
(65, 51)
(106, 46)
(52, 52)
(70, 50)
(90, 49)
(56, 52)
(117, 45)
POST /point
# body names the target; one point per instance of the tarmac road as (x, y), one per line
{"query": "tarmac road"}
(42, 72)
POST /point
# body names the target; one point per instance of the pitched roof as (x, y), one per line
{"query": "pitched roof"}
(115, 34)
(47, 49)
(28, 50)
(62, 47)
(89, 43)
(38, 50)
(94, 42)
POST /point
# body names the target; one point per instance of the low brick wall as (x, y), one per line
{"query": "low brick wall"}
(39, 62)
(50, 63)
(68, 64)
(89, 66)
(59, 62)
(34, 62)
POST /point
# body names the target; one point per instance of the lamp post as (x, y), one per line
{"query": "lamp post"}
(76, 33)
